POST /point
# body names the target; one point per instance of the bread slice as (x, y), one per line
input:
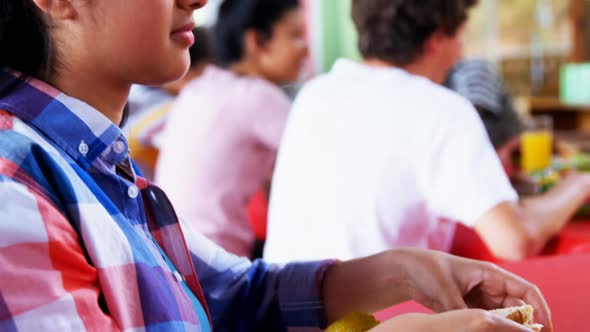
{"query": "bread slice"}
(522, 315)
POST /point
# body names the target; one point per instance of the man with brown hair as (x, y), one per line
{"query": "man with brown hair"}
(379, 155)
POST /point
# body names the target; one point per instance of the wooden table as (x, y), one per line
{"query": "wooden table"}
(565, 116)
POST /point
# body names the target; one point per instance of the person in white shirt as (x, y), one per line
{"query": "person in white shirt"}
(380, 155)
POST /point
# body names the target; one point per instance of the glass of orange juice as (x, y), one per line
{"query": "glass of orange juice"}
(537, 144)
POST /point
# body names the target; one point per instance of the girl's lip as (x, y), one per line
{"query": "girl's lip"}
(184, 34)
(186, 38)
(184, 28)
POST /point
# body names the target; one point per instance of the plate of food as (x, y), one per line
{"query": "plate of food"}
(546, 179)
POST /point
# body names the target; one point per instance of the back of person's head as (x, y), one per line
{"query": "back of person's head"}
(200, 52)
(24, 41)
(396, 30)
(236, 17)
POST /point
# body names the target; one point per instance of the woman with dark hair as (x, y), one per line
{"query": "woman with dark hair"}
(88, 244)
(231, 120)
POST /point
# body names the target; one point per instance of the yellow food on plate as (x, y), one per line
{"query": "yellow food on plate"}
(354, 322)
(362, 322)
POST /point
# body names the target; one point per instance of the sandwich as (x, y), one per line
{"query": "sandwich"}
(522, 315)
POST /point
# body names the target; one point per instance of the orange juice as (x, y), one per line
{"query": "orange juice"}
(536, 150)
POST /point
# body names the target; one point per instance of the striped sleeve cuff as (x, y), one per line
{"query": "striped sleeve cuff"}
(299, 293)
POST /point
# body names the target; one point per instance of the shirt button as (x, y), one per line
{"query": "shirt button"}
(133, 191)
(83, 148)
(119, 147)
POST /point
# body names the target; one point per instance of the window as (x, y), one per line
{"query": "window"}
(501, 29)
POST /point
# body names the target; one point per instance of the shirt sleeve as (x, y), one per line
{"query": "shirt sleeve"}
(257, 296)
(46, 283)
(461, 173)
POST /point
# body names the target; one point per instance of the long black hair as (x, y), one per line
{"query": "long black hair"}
(201, 50)
(24, 40)
(25, 44)
(238, 16)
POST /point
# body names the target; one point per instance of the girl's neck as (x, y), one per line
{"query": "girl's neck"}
(247, 67)
(108, 98)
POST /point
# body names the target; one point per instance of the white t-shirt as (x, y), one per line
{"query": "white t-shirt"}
(377, 158)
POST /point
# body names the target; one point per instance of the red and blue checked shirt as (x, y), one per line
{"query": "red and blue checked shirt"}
(85, 244)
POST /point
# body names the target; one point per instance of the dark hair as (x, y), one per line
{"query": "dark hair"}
(24, 40)
(238, 16)
(201, 50)
(395, 30)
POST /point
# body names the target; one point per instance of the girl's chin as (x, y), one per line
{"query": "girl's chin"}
(172, 74)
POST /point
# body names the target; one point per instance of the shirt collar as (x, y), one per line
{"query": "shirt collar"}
(347, 66)
(76, 127)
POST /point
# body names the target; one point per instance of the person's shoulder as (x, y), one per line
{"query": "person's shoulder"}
(320, 86)
(24, 157)
(450, 98)
(312, 93)
(262, 88)
(227, 87)
(318, 82)
(14, 143)
(446, 101)
(440, 109)
(213, 79)
(257, 93)
(20, 143)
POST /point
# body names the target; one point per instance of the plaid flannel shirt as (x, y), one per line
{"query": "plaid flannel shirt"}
(82, 237)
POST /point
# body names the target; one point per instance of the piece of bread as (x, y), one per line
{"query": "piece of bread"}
(522, 315)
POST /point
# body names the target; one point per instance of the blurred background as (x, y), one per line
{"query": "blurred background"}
(540, 48)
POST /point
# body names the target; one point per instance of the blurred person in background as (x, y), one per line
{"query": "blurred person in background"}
(226, 126)
(380, 155)
(149, 107)
(479, 83)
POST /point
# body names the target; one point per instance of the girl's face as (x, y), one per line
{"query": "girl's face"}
(282, 57)
(135, 41)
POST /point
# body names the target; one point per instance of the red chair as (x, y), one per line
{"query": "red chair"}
(257, 214)
(467, 243)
